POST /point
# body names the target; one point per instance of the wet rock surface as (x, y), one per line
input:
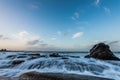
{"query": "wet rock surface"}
(101, 51)
(55, 55)
(57, 76)
(11, 56)
(75, 56)
(16, 62)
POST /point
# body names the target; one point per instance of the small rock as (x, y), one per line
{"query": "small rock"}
(16, 62)
(11, 56)
(75, 56)
(54, 55)
(64, 58)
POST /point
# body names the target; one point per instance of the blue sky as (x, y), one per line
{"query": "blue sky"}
(73, 25)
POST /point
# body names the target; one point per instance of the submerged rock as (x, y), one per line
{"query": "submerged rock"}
(101, 51)
(16, 62)
(34, 56)
(11, 56)
(75, 56)
(64, 58)
(21, 56)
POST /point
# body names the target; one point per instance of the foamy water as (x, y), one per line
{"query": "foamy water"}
(65, 64)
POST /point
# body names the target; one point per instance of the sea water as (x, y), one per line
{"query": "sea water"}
(68, 63)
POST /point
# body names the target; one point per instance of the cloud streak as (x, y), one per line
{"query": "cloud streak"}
(53, 38)
(75, 16)
(2, 37)
(33, 42)
(97, 2)
(59, 32)
(107, 10)
(77, 35)
(34, 5)
(113, 42)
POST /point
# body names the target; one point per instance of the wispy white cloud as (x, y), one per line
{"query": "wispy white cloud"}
(3, 37)
(24, 37)
(66, 33)
(114, 45)
(114, 42)
(53, 38)
(59, 32)
(33, 42)
(75, 16)
(107, 10)
(21, 35)
(35, 5)
(97, 2)
(76, 35)
(63, 33)
(82, 23)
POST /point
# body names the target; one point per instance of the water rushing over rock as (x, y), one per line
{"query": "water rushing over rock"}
(16, 64)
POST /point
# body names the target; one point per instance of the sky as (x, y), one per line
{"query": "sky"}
(62, 25)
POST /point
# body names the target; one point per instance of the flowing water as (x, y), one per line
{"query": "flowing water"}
(13, 64)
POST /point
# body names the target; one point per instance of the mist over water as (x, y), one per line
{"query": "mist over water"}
(13, 64)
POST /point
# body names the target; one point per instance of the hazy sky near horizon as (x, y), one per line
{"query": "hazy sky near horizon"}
(73, 25)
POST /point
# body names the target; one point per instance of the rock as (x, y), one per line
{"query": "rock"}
(75, 56)
(16, 62)
(101, 51)
(4, 78)
(54, 55)
(21, 56)
(11, 56)
(64, 58)
(34, 56)
(57, 76)
(44, 56)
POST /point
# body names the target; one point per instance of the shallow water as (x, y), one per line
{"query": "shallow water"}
(68, 63)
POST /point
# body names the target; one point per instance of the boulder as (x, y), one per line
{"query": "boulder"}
(54, 55)
(101, 51)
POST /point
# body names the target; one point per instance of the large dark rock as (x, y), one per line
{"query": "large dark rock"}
(57, 76)
(101, 51)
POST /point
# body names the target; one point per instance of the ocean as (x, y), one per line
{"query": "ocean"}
(13, 64)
